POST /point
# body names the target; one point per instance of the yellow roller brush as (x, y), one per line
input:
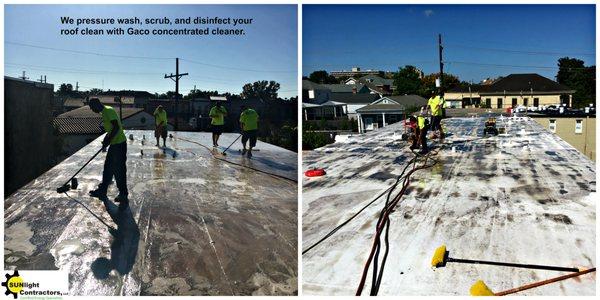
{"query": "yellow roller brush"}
(481, 289)
(441, 258)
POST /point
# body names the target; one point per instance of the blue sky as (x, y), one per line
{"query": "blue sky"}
(384, 37)
(269, 46)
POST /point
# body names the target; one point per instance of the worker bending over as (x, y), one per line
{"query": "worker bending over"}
(249, 126)
(160, 119)
(421, 132)
(217, 114)
(436, 106)
(115, 163)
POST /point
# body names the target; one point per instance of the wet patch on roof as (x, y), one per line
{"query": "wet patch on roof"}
(202, 226)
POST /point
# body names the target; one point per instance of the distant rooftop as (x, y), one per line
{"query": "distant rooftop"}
(196, 225)
(517, 83)
(218, 98)
(525, 196)
(84, 121)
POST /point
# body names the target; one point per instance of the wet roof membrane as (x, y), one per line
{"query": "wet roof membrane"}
(196, 225)
(525, 196)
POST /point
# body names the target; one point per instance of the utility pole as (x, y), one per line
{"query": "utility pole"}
(23, 76)
(42, 79)
(76, 86)
(441, 49)
(176, 77)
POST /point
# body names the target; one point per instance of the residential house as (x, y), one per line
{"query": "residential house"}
(353, 102)
(116, 101)
(387, 110)
(314, 92)
(529, 90)
(357, 88)
(71, 103)
(376, 84)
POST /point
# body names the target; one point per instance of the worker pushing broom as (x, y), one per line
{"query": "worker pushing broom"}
(116, 157)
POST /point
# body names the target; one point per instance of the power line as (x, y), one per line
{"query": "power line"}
(521, 51)
(84, 52)
(71, 70)
(99, 72)
(235, 68)
(510, 66)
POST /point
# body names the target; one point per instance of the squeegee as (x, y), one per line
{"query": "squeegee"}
(481, 289)
(441, 257)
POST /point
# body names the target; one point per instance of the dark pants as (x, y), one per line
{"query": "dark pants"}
(249, 135)
(436, 123)
(115, 165)
(423, 135)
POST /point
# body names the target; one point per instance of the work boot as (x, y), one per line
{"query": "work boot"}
(249, 153)
(244, 151)
(423, 152)
(121, 198)
(98, 193)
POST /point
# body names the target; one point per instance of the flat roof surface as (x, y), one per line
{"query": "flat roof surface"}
(196, 225)
(521, 197)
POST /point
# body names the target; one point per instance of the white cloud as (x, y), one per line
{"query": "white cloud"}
(428, 13)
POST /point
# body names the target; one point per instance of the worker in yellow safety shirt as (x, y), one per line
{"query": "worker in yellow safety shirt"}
(115, 163)
(160, 120)
(217, 114)
(421, 131)
(436, 107)
(249, 126)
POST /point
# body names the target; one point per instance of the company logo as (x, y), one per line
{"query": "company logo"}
(13, 284)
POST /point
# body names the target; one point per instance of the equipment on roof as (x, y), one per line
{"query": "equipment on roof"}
(490, 126)
(72, 182)
(315, 172)
(481, 289)
(440, 258)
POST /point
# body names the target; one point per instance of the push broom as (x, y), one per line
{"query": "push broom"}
(72, 182)
(441, 258)
(225, 154)
(481, 289)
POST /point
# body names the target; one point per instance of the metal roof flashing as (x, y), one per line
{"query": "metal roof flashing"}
(525, 196)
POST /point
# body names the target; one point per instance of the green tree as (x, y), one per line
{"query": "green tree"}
(428, 83)
(262, 89)
(574, 74)
(65, 89)
(322, 77)
(407, 81)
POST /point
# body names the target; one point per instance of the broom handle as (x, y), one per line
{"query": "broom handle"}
(495, 263)
(84, 165)
(232, 143)
(540, 283)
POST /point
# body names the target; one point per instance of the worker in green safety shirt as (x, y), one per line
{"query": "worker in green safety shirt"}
(217, 114)
(115, 163)
(249, 126)
(436, 107)
(160, 119)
